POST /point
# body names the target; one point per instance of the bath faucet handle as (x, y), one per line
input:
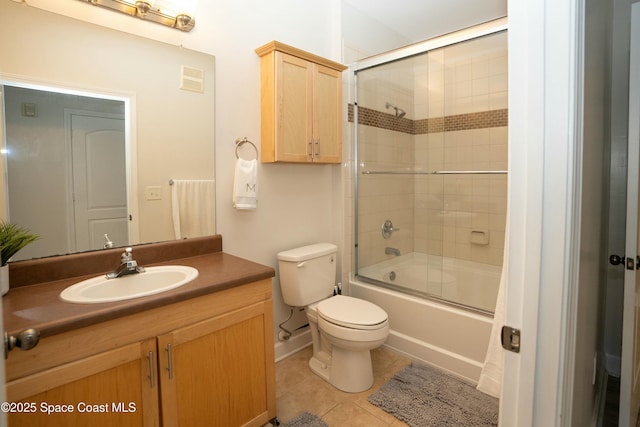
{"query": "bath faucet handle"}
(388, 229)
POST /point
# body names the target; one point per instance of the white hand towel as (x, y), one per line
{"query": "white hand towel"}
(245, 184)
(193, 205)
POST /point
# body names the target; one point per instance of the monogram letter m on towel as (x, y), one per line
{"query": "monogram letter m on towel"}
(245, 184)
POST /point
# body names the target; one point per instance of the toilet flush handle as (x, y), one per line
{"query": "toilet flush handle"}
(302, 264)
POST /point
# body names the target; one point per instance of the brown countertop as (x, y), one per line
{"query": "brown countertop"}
(39, 305)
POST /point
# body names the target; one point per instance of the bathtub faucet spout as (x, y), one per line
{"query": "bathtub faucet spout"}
(392, 251)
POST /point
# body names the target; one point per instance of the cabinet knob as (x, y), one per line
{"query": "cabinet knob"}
(25, 340)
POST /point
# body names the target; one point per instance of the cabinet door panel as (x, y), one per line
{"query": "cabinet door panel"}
(294, 122)
(327, 116)
(107, 389)
(219, 371)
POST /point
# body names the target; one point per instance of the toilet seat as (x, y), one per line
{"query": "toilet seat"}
(352, 313)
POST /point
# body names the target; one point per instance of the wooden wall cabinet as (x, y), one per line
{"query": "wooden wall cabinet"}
(212, 365)
(301, 106)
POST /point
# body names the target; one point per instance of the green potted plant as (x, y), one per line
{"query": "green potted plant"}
(12, 239)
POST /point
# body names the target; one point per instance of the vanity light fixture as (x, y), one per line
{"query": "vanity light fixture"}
(172, 13)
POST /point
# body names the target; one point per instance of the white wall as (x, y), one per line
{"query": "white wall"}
(295, 202)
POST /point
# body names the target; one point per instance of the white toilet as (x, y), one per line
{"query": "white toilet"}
(343, 329)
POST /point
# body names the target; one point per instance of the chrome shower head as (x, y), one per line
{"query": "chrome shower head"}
(399, 111)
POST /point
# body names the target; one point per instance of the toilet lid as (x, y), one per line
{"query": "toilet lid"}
(351, 312)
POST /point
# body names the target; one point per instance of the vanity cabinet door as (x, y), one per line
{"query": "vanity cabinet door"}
(113, 388)
(221, 371)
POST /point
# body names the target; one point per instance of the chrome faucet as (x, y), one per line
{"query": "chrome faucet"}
(127, 265)
(108, 244)
(392, 251)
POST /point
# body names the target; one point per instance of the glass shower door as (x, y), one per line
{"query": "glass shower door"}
(399, 221)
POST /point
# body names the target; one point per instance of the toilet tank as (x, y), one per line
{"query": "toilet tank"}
(307, 274)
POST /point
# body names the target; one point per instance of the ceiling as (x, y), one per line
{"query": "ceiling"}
(422, 19)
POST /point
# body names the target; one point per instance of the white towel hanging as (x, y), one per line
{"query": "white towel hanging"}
(193, 205)
(245, 184)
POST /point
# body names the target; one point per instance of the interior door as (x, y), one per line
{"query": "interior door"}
(629, 375)
(99, 180)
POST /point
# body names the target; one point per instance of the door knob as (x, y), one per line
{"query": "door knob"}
(631, 264)
(25, 340)
(616, 259)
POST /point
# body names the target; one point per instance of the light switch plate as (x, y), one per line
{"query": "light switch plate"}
(153, 192)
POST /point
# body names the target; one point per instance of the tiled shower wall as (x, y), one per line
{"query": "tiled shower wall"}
(456, 120)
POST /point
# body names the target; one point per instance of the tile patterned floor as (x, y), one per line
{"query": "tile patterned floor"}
(299, 390)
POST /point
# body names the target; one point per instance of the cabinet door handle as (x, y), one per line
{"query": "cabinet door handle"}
(152, 376)
(311, 148)
(318, 148)
(170, 360)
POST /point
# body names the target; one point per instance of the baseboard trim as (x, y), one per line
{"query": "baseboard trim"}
(601, 393)
(284, 349)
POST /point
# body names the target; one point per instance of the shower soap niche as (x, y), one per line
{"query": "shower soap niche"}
(480, 237)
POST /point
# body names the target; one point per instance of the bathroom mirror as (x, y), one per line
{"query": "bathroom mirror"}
(161, 97)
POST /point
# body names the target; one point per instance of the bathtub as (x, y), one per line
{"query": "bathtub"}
(426, 329)
(470, 284)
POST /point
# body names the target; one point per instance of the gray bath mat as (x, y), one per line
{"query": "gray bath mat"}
(423, 396)
(306, 419)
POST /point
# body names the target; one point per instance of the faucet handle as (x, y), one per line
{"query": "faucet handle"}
(388, 229)
(127, 255)
(108, 243)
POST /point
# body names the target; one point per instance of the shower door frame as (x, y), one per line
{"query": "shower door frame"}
(488, 28)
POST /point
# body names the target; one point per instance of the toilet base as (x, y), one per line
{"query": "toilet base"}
(347, 370)
(351, 371)
(320, 368)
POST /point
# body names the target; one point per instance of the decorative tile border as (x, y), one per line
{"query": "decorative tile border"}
(479, 120)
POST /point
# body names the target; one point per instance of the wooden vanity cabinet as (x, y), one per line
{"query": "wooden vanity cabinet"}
(301, 106)
(207, 361)
(107, 389)
(217, 371)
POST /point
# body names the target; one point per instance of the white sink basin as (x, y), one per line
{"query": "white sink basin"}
(152, 281)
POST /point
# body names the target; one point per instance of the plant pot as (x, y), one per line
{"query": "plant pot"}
(4, 279)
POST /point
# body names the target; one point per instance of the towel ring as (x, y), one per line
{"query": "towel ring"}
(244, 140)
